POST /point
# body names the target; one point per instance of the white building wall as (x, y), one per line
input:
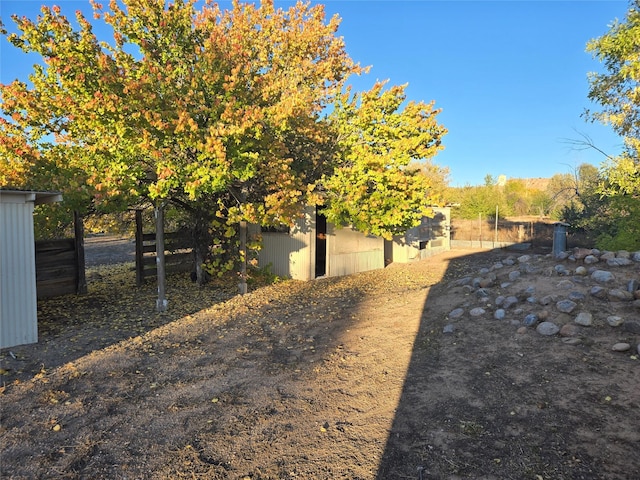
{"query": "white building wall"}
(18, 302)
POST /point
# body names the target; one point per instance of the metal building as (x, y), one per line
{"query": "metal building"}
(18, 296)
(431, 237)
(314, 248)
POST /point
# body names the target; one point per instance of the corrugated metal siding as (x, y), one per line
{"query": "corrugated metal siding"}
(350, 252)
(435, 231)
(18, 304)
(291, 255)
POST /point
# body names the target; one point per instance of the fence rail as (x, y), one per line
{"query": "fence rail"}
(485, 233)
(179, 256)
(60, 267)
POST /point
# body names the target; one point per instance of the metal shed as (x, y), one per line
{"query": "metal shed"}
(431, 237)
(314, 248)
(18, 296)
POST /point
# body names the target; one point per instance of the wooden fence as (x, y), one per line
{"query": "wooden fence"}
(485, 233)
(505, 231)
(60, 264)
(179, 257)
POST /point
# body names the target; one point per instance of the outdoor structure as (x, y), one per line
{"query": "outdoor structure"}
(431, 237)
(313, 248)
(18, 295)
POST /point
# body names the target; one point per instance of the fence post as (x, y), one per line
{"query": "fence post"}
(139, 250)
(161, 302)
(78, 227)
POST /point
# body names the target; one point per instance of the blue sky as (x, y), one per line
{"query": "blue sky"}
(510, 76)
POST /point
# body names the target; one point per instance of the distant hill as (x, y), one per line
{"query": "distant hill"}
(535, 183)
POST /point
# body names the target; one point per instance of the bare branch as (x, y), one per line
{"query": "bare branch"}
(585, 143)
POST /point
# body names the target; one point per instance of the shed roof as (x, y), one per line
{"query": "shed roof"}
(24, 196)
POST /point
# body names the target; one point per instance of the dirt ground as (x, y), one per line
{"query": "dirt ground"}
(339, 378)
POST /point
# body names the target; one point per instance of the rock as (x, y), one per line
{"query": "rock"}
(603, 276)
(457, 313)
(530, 320)
(581, 271)
(566, 306)
(499, 314)
(621, 347)
(590, 260)
(584, 318)
(561, 270)
(623, 254)
(598, 292)
(509, 301)
(524, 258)
(482, 293)
(631, 327)
(448, 329)
(580, 253)
(521, 330)
(497, 266)
(565, 284)
(621, 295)
(468, 289)
(464, 281)
(487, 282)
(619, 262)
(577, 296)
(615, 320)
(499, 300)
(547, 328)
(606, 256)
(569, 330)
(636, 294)
(571, 341)
(513, 276)
(548, 299)
(483, 271)
(562, 255)
(633, 285)
(510, 261)
(635, 256)
(476, 312)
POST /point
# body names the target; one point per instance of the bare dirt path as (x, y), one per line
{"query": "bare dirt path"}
(347, 378)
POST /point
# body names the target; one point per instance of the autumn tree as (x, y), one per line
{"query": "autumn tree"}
(616, 91)
(221, 113)
(203, 109)
(374, 186)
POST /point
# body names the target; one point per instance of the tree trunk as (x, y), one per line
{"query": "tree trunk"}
(201, 243)
(242, 286)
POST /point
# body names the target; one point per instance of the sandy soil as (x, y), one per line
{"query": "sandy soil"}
(348, 378)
